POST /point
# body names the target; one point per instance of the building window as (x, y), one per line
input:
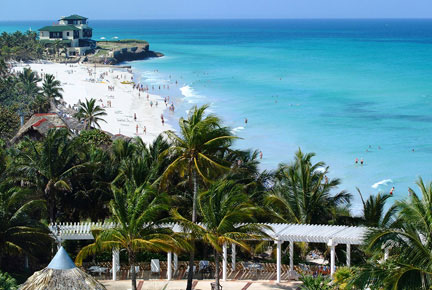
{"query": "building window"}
(55, 35)
(87, 33)
(67, 33)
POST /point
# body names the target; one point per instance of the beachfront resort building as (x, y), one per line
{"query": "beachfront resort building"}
(73, 32)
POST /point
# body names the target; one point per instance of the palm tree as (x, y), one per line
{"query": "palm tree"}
(48, 166)
(51, 90)
(29, 80)
(137, 212)
(196, 154)
(142, 164)
(40, 104)
(27, 87)
(374, 214)
(409, 265)
(302, 192)
(57, 46)
(227, 217)
(90, 113)
(20, 230)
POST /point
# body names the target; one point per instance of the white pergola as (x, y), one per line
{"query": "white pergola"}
(280, 233)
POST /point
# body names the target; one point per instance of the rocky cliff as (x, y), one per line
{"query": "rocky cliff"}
(114, 52)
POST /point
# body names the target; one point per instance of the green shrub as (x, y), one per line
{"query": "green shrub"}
(7, 282)
(341, 278)
(95, 137)
(315, 283)
(9, 123)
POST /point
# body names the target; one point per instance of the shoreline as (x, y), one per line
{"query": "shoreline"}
(112, 87)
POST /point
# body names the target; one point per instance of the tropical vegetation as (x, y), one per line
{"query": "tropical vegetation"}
(227, 217)
(138, 214)
(7, 282)
(90, 113)
(195, 177)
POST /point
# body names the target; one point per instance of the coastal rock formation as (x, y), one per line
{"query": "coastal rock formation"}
(114, 52)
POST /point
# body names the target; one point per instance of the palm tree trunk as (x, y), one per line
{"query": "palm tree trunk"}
(52, 106)
(216, 254)
(133, 273)
(192, 253)
(50, 201)
(195, 193)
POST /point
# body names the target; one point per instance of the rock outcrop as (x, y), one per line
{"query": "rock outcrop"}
(123, 51)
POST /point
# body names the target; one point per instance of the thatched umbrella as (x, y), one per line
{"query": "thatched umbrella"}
(61, 274)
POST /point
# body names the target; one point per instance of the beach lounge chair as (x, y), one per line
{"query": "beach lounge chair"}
(155, 267)
(213, 286)
(204, 268)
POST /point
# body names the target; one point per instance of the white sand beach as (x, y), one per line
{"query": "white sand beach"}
(84, 81)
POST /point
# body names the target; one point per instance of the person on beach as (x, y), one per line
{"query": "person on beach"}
(151, 103)
(145, 130)
(136, 129)
(135, 117)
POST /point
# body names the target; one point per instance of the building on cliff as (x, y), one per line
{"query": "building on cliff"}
(73, 32)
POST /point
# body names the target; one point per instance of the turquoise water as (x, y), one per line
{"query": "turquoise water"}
(334, 87)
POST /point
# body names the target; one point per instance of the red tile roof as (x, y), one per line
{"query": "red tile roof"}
(37, 124)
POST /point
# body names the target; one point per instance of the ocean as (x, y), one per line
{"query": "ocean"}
(344, 89)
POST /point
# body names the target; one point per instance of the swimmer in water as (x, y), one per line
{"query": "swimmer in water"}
(246, 120)
(361, 161)
(261, 155)
(356, 160)
(392, 190)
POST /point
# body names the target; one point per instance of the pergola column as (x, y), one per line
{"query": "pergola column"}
(175, 262)
(332, 246)
(233, 256)
(291, 255)
(224, 262)
(348, 255)
(169, 265)
(115, 262)
(278, 260)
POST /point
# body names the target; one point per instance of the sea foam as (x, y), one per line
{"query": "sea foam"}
(237, 129)
(190, 95)
(382, 182)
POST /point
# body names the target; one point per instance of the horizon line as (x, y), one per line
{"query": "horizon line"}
(240, 18)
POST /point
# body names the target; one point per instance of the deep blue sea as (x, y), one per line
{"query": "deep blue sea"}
(344, 89)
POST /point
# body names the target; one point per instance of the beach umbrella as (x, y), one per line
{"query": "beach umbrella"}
(61, 274)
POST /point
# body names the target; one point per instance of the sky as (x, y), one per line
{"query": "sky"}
(215, 9)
